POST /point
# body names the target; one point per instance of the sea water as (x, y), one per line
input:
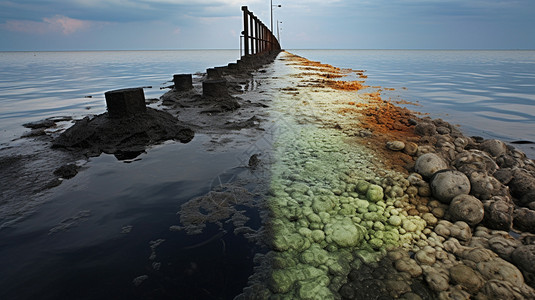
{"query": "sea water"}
(98, 231)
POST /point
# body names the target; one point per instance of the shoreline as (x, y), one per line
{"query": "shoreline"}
(392, 203)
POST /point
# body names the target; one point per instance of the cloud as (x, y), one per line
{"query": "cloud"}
(58, 23)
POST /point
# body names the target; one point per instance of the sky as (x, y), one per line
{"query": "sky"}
(35, 25)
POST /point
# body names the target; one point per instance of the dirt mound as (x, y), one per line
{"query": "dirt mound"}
(122, 136)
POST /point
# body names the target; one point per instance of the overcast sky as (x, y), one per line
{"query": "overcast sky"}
(307, 24)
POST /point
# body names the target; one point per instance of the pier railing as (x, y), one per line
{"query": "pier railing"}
(257, 38)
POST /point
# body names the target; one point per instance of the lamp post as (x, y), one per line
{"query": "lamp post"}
(276, 5)
(278, 35)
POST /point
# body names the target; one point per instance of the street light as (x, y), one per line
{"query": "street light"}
(278, 35)
(276, 5)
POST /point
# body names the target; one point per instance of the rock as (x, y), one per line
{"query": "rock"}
(502, 270)
(344, 233)
(466, 208)
(447, 184)
(465, 276)
(504, 175)
(443, 130)
(428, 164)
(410, 148)
(503, 245)
(395, 145)
(493, 147)
(67, 171)
(425, 129)
(474, 161)
(522, 183)
(484, 186)
(437, 281)
(527, 198)
(524, 219)
(496, 289)
(498, 214)
(524, 258)
(426, 256)
(409, 266)
(374, 193)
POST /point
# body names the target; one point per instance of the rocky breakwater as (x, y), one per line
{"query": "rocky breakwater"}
(481, 191)
(369, 201)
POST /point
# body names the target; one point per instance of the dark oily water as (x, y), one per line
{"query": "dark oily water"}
(488, 93)
(113, 231)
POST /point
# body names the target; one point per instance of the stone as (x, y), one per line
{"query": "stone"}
(524, 219)
(410, 148)
(502, 270)
(408, 265)
(524, 257)
(466, 208)
(503, 245)
(485, 186)
(522, 183)
(437, 281)
(344, 233)
(470, 161)
(465, 276)
(428, 164)
(395, 145)
(527, 198)
(447, 184)
(498, 214)
(374, 193)
(425, 129)
(125, 102)
(493, 147)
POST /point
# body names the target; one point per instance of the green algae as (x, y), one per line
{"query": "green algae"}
(329, 210)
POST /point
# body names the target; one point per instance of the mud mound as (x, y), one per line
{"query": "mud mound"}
(121, 136)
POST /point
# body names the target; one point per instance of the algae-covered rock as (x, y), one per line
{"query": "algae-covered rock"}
(344, 232)
(314, 256)
(374, 193)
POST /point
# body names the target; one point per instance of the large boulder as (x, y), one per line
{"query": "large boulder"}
(498, 213)
(524, 219)
(428, 164)
(494, 147)
(447, 184)
(524, 258)
(466, 208)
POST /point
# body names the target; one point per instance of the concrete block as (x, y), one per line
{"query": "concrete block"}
(125, 102)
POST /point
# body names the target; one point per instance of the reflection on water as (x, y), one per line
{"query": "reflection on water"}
(489, 93)
(111, 224)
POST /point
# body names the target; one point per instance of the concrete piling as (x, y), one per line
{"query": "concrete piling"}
(214, 88)
(125, 102)
(183, 82)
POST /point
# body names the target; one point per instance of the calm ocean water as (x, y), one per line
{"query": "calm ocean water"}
(98, 230)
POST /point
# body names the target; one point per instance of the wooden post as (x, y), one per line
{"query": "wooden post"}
(245, 30)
